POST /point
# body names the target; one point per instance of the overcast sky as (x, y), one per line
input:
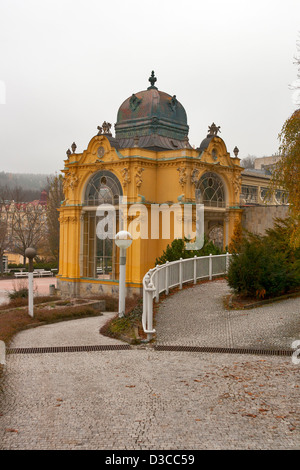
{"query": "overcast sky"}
(66, 66)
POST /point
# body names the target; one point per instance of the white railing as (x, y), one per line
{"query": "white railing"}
(172, 274)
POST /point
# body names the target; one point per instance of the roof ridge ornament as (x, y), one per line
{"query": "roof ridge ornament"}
(152, 79)
(106, 126)
(173, 103)
(213, 130)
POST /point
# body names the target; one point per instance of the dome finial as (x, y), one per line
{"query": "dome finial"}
(152, 80)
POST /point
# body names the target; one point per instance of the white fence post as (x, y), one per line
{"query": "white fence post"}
(195, 269)
(227, 262)
(157, 284)
(2, 353)
(167, 278)
(145, 300)
(150, 293)
(210, 267)
(180, 274)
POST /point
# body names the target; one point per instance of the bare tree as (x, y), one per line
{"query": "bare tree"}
(248, 162)
(296, 84)
(5, 235)
(27, 224)
(55, 197)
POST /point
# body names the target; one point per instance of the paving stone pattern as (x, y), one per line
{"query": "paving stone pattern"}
(146, 399)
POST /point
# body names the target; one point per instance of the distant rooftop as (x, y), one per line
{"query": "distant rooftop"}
(257, 172)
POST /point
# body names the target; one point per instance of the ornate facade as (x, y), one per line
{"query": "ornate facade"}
(148, 162)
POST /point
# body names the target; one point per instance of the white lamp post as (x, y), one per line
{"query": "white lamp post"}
(123, 241)
(30, 253)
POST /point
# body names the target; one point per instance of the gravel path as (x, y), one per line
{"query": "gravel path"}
(196, 317)
(142, 398)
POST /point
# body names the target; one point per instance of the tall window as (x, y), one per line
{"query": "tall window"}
(210, 190)
(99, 255)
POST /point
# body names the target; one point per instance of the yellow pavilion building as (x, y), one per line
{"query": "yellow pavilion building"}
(148, 163)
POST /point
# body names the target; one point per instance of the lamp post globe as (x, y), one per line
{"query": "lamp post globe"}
(123, 239)
(30, 252)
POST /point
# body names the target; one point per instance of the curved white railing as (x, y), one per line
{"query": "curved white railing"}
(176, 273)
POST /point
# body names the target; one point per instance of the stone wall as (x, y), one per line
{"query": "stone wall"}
(257, 219)
(79, 288)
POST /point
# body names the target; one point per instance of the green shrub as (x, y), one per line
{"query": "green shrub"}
(45, 265)
(19, 294)
(178, 250)
(260, 270)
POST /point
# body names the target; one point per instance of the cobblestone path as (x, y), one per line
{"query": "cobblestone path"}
(142, 398)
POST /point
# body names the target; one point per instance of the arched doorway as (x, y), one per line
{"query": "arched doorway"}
(99, 253)
(216, 235)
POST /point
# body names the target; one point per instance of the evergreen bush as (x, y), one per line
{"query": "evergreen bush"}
(265, 266)
(178, 250)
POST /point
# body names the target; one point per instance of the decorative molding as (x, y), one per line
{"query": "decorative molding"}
(195, 176)
(237, 183)
(125, 176)
(182, 176)
(100, 151)
(138, 177)
(68, 219)
(134, 102)
(70, 181)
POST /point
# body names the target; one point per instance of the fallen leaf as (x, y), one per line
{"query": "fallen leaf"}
(225, 395)
(11, 430)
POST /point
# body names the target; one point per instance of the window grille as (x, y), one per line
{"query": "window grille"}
(210, 190)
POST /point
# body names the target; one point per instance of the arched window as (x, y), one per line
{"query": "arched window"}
(210, 190)
(103, 188)
(281, 197)
(99, 254)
